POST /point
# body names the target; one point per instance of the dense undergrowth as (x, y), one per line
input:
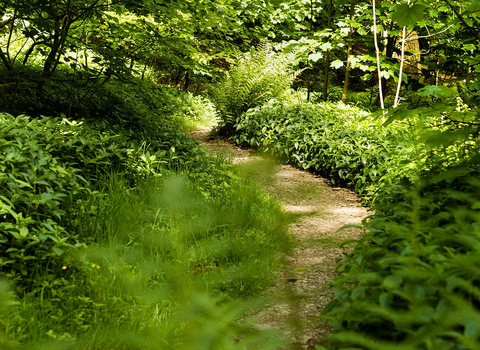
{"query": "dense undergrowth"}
(412, 281)
(120, 232)
(343, 143)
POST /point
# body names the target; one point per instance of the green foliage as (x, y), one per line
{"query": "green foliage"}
(50, 165)
(253, 79)
(164, 264)
(406, 15)
(5, 302)
(352, 148)
(412, 280)
(33, 184)
(340, 142)
(107, 249)
(196, 111)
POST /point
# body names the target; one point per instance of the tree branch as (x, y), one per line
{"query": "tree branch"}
(5, 60)
(470, 29)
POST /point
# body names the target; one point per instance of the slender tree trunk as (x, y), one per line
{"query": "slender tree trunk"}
(6, 60)
(187, 80)
(53, 58)
(144, 69)
(400, 73)
(10, 35)
(312, 79)
(390, 43)
(327, 59)
(179, 76)
(132, 62)
(349, 53)
(5, 56)
(377, 51)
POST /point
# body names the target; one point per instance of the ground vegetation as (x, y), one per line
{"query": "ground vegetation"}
(118, 231)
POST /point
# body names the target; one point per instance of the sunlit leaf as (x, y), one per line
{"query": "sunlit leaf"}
(315, 56)
(336, 64)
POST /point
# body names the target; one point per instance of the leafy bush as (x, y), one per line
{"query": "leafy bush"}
(340, 142)
(196, 111)
(104, 252)
(33, 184)
(253, 79)
(412, 282)
(50, 164)
(128, 101)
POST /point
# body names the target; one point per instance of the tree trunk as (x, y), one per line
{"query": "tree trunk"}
(327, 59)
(53, 58)
(400, 73)
(349, 53)
(187, 80)
(377, 51)
(6, 61)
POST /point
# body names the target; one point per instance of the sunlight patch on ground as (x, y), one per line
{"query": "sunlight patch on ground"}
(347, 211)
(301, 209)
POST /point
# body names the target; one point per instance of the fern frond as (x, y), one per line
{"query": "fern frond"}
(256, 77)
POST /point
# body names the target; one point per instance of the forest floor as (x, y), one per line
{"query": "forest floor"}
(293, 304)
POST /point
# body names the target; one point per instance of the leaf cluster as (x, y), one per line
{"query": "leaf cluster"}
(412, 280)
(254, 78)
(337, 141)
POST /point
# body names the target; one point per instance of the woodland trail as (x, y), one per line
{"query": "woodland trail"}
(292, 305)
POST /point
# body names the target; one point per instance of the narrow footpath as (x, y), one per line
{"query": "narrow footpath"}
(292, 305)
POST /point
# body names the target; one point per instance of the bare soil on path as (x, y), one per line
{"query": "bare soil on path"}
(293, 304)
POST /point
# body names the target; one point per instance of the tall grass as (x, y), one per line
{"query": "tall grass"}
(165, 268)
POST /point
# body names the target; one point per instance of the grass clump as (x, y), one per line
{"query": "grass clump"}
(153, 254)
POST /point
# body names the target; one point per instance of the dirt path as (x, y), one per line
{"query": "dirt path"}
(302, 290)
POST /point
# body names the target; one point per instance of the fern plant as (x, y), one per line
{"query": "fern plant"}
(255, 77)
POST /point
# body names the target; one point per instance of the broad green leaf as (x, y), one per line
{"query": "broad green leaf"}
(473, 9)
(362, 31)
(450, 175)
(326, 47)
(437, 138)
(385, 74)
(58, 251)
(469, 47)
(24, 232)
(435, 91)
(405, 15)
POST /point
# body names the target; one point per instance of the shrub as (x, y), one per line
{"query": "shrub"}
(154, 251)
(33, 185)
(52, 164)
(103, 252)
(341, 142)
(412, 281)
